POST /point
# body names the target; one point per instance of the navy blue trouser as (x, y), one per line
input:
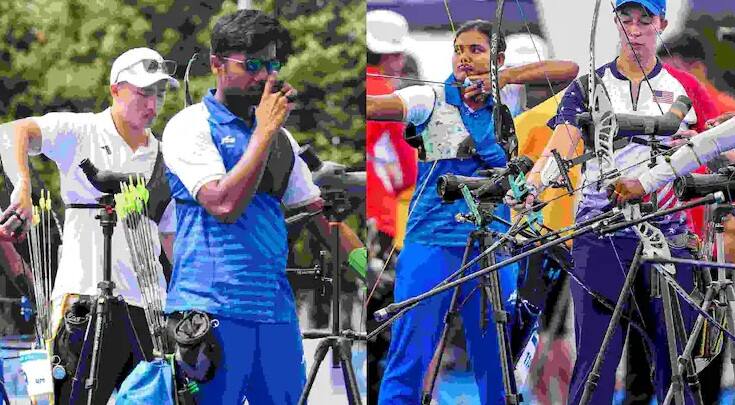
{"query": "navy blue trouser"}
(263, 362)
(415, 335)
(597, 265)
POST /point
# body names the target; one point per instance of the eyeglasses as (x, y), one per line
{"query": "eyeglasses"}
(167, 67)
(255, 64)
(152, 90)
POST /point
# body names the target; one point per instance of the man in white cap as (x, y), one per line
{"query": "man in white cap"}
(117, 139)
(387, 42)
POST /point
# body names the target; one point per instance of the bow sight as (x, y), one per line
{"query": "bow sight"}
(490, 186)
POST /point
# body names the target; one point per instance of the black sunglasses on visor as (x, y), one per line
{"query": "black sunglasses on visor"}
(167, 67)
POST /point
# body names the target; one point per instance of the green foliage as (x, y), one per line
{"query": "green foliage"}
(333, 62)
(58, 53)
(328, 70)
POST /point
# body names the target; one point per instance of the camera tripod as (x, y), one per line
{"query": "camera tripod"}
(664, 287)
(719, 292)
(101, 312)
(674, 324)
(602, 224)
(490, 290)
(338, 340)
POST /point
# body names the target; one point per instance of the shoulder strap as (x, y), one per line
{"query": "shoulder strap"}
(278, 168)
(158, 188)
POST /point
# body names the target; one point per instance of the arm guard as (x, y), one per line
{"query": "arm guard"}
(698, 151)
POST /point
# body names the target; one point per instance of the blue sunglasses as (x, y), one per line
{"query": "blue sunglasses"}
(255, 64)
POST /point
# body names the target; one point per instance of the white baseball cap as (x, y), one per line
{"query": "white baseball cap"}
(142, 67)
(387, 32)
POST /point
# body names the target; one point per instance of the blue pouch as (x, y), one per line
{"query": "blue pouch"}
(149, 383)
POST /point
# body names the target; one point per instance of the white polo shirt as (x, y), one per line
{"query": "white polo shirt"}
(67, 139)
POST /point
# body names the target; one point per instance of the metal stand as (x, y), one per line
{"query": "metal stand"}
(724, 292)
(338, 340)
(104, 302)
(452, 312)
(490, 290)
(675, 332)
(108, 220)
(602, 224)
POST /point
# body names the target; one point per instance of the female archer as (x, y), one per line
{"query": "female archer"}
(635, 82)
(451, 116)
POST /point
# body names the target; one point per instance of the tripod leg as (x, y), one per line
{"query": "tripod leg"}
(81, 367)
(344, 349)
(103, 307)
(321, 352)
(436, 361)
(594, 376)
(500, 317)
(684, 363)
(686, 356)
(730, 313)
(435, 364)
(676, 380)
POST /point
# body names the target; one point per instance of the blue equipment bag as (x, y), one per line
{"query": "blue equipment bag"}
(149, 383)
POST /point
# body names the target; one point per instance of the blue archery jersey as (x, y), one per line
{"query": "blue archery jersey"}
(431, 221)
(233, 270)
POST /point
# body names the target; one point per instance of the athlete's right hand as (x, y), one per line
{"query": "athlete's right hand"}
(625, 190)
(524, 203)
(711, 123)
(16, 220)
(273, 109)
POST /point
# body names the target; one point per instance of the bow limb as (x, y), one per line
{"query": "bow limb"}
(505, 133)
(653, 239)
(603, 117)
(552, 169)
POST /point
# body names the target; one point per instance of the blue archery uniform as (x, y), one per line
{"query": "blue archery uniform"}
(433, 222)
(434, 246)
(236, 272)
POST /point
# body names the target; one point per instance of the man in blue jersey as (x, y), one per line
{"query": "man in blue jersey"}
(230, 171)
(435, 242)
